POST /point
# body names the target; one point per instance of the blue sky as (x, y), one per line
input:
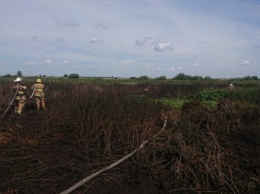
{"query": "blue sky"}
(123, 38)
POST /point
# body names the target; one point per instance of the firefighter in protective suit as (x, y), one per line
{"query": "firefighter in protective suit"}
(231, 87)
(38, 88)
(20, 98)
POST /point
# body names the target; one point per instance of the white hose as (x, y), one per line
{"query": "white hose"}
(10, 104)
(83, 181)
(32, 93)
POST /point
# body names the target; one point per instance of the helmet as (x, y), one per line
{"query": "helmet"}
(18, 79)
(38, 80)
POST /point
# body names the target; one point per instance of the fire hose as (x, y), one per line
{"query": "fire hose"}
(83, 181)
(10, 103)
(32, 92)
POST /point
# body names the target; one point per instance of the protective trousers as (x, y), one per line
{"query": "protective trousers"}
(19, 105)
(39, 102)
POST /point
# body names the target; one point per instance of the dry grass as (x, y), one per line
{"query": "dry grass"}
(202, 150)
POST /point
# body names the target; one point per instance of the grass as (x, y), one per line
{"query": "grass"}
(175, 103)
(197, 151)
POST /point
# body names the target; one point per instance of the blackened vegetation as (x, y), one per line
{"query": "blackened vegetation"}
(89, 126)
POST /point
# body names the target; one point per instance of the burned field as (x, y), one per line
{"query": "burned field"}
(204, 148)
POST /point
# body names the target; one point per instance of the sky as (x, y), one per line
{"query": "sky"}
(130, 38)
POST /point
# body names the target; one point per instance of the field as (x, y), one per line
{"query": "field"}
(196, 137)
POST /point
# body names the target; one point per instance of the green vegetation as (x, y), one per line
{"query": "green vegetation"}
(73, 75)
(19, 74)
(175, 103)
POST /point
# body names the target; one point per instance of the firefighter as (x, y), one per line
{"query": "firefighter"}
(230, 87)
(38, 88)
(20, 98)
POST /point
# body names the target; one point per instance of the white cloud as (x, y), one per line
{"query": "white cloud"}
(174, 68)
(30, 63)
(246, 63)
(95, 40)
(64, 31)
(195, 65)
(163, 46)
(48, 62)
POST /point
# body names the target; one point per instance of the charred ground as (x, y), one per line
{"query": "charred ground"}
(202, 150)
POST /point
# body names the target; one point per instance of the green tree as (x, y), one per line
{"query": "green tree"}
(196, 77)
(74, 75)
(207, 78)
(250, 78)
(144, 77)
(162, 77)
(7, 75)
(182, 76)
(19, 74)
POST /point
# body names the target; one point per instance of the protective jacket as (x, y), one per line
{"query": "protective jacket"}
(20, 98)
(38, 90)
(20, 94)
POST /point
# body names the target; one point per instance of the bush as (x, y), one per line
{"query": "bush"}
(74, 75)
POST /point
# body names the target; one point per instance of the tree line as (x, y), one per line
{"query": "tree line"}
(180, 76)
